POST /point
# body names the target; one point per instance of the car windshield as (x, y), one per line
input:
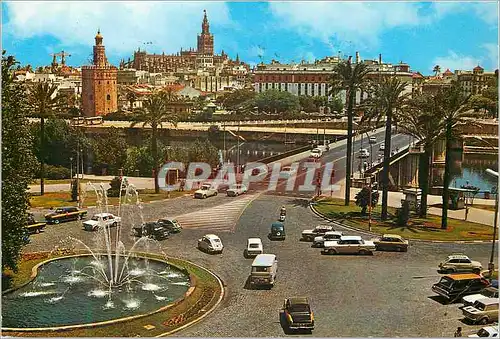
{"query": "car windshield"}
(95, 218)
(260, 269)
(254, 245)
(483, 333)
(299, 308)
(479, 306)
(216, 240)
(60, 210)
(315, 151)
(205, 188)
(446, 281)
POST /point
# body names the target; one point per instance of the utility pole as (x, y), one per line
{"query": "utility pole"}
(491, 264)
(238, 148)
(77, 172)
(224, 138)
(370, 205)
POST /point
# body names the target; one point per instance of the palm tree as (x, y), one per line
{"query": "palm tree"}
(44, 103)
(436, 70)
(419, 120)
(155, 111)
(349, 78)
(454, 111)
(386, 97)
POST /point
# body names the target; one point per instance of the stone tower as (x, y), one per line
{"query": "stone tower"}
(99, 88)
(205, 39)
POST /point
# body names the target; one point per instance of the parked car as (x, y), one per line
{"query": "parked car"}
(171, 225)
(459, 262)
(65, 214)
(298, 314)
(316, 153)
(363, 153)
(152, 230)
(373, 140)
(309, 235)
(206, 190)
(453, 286)
(382, 147)
(210, 243)
(277, 231)
(33, 226)
(486, 332)
(282, 218)
(319, 241)
(101, 219)
(264, 269)
(254, 247)
(488, 292)
(483, 311)
(391, 242)
(236, 190)
(351, 244)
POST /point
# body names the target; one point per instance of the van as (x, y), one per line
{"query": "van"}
(264, 268)
(483, 311)
(455, 286)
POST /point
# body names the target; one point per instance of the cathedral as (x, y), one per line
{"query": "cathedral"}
(202, 57)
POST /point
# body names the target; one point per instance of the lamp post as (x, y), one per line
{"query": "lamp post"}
(370, 205)
(71, 172)
(491, 264)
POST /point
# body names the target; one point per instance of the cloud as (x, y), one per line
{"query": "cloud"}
(124, 25)
(454, 61)
(345, 21)
(485, 10)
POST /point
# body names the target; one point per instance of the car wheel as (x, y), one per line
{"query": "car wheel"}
(204, 197)
(80, 217)
(483, 321)
(56, 221)
(450, 271)
(215, 194)
(332, 251)
(476, 271)
(115, 224)
(363, 252)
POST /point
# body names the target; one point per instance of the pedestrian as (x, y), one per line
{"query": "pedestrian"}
(458, 332)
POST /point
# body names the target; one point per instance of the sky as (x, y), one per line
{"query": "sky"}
(454, 35)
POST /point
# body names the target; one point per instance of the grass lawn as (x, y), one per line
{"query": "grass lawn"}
(61, 199)
(66, 181)
(417, 228)
(204, 296)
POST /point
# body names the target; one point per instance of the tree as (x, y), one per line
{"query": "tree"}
(418, 119)
(156, 110)
(18, 165)
(336, 105)
(349, 78)
(275, 101)
(454, 106)
(131, 98)
(307, 103)
(363, 199)
(44, 103)
(110, 151)
(385, 98)
(235, 99)
(436, 70)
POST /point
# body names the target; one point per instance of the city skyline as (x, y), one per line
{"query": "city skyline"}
(454, 35)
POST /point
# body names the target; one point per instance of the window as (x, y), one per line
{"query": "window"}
(108, 97)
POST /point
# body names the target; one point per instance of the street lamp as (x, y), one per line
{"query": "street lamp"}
(491, 264)
(71, 171)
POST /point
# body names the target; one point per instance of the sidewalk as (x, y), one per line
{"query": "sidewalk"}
(476, 215)
(138, 182)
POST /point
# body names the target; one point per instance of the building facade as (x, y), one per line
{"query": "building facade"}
(314, 79)
(99, 83)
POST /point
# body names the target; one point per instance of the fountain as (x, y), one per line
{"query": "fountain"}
(107, 282)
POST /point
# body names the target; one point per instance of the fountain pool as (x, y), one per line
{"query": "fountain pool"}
(64, 293)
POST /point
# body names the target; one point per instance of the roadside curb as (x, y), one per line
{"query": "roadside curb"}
(311, 206)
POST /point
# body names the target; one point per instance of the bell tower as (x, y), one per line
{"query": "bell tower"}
(205, 39)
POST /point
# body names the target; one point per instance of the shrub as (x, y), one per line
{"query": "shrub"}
(56, 172)
(403, 214)
(363, 197)
(114, 190)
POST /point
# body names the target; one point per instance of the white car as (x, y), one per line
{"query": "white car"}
(486, 332)
(488, 292)
(352, 244)
(316, 153)
(309, 235)
(101, 220)
(329, 236)
(254, 247)
(363, 153)
(206, 190)
(210, 243)
(373, 140)
(236, 190)
(382, 147)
